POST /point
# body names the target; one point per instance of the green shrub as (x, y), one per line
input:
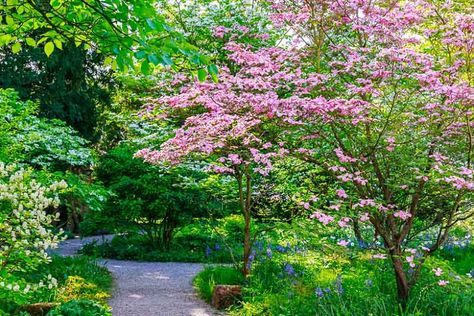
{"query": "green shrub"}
(80, 307)
(150, 199)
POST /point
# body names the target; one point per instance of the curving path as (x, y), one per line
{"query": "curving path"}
(149, 288)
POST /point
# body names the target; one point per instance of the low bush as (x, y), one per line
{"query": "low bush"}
(76, 277)
(81, 307)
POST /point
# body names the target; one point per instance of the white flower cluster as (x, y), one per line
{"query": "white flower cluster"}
(25, 226)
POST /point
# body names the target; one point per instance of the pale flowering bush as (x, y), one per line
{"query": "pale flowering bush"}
(25, 231)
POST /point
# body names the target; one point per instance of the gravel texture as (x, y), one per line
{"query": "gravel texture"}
(149, 288)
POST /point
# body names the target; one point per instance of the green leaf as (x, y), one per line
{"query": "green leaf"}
(58, 44)
(202, 75)
(151, 23)
(49, 48)
(213, 71)
(55, 3)
(153, 59)
(5, 39)
(16, 47)
(140, 54)
(9, 20)
(41, 40)
(166, 60)
(108, 61)
(30, 41)
(145, 68)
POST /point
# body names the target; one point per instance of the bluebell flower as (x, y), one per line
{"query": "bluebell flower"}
(217, 247)
(280, 248)
(319, 293)
(208, 251)
(269, 253)
(289, 269)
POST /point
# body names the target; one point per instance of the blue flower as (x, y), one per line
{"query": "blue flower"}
(289, 269)
(280, 248)
(338, 284)
(217, 247)
(208, 251)
(319, 293)
(269, 253)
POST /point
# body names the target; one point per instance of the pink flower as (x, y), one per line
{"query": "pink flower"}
(402, 215)
(342, 194)
(410, 260)
(343, 222)
(364, 217)
(220, 31)
(323, 218)
(342, 157)
(391, 144)
(443, 282)
(438, 271)
(343, 243)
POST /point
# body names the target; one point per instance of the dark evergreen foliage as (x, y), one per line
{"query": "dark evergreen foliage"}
(69, 84)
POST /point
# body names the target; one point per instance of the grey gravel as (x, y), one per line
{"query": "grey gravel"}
(149, 288)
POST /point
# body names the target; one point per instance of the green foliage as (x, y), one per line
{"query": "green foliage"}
(80, 307)
(69, 85)
(152, 199)
(37, 141)
(332, 285)
(127, 30)
(83, 198)
(207, 279)
(62, 268)
(76, 277)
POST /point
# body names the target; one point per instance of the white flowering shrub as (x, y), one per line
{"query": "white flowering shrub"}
(25, 231)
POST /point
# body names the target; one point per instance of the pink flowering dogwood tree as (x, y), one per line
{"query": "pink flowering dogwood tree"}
(394, 126)
(240, 119)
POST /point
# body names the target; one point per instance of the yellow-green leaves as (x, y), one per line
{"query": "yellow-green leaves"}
(31, 42)
(213, 71)
(202, 74)
(49, 48)
(58, 44)
(16, 47)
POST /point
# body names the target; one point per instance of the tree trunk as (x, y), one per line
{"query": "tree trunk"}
(245, 204)
(357, 233)
(247, 245)
(403, 287)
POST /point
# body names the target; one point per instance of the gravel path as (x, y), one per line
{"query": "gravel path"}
(149, 288)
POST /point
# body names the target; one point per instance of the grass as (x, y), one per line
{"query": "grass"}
(211, 276)
(291, 283)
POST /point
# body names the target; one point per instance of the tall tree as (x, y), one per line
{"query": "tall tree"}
(69, 85)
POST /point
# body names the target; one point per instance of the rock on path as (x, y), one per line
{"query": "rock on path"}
(149, 288)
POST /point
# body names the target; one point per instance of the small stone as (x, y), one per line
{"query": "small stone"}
(226, 295)
(38, 309)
